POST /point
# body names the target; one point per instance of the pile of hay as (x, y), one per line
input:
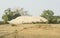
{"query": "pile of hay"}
(27, 19)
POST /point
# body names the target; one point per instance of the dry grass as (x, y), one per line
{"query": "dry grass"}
(32, 30)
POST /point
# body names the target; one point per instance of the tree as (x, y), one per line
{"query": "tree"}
(9, 14)
(5, 18)
(48, 15)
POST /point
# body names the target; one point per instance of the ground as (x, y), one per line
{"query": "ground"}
(30, 31)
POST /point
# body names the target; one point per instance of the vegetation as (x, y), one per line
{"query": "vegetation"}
(30, 31)
(49, 15)
(9, 14)
(2, 22)
(56, 19)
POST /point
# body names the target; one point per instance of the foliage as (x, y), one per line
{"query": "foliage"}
(56, 19)
(2, 22)
(5, 17)
(48, 15)
(9, 14)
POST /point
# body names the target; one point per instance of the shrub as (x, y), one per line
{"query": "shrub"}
(2, 22)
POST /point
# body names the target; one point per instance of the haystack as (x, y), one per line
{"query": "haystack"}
(27, 19)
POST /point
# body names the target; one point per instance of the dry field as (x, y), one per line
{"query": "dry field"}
(30, 31)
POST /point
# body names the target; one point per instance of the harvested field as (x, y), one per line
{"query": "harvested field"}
(30, 31)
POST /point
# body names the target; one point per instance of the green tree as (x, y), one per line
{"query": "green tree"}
(48, 15)
(5, 18)
(9, 14)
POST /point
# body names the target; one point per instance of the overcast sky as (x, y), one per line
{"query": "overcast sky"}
(34, 7)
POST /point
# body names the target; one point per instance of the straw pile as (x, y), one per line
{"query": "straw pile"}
(27, 19)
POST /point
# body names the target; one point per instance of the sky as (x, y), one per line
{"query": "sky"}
(34, 7)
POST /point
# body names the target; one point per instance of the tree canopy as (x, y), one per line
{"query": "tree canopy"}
(48, 15)
(9, 14)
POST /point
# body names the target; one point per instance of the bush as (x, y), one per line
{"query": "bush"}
(2, 22)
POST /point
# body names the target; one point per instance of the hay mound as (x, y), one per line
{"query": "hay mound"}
(27, 19)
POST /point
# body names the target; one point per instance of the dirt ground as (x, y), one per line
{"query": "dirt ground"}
(30, 31)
